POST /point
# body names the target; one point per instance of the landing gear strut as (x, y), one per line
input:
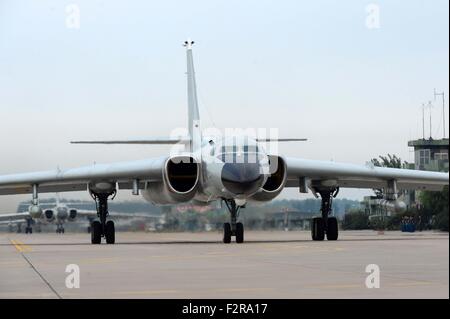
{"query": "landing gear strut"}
(325, 225)
(234, 228)
(102, 228)
(29, 228)
(59, 229)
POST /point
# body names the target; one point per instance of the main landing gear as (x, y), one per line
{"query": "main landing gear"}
(102, 228)
(234, 228)
(59, 229)
(325, 225)
(29, 228)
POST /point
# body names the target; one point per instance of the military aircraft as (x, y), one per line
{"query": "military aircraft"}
(232, 169)
(58, 215)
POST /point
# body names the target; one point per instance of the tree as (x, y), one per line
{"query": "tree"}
(355, 219)
(391, 161)
(435, 207)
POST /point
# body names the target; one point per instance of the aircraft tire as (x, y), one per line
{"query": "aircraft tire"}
(110, 232)
(239, 233)
(227, 233)
(317, 229)
(332, 229)
(96, 234)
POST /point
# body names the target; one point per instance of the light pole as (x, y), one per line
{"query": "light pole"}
(443, 107)
(430, 106)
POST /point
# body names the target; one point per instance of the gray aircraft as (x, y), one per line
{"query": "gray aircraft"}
(58, 215)
(233, 169)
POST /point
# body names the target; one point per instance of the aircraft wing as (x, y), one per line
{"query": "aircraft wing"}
(14, 216)
(77, 179)
(360, 176)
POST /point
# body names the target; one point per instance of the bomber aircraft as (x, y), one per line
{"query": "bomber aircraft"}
(58, 214)
(232, 169)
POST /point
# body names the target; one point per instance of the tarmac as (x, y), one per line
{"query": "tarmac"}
(272, 264)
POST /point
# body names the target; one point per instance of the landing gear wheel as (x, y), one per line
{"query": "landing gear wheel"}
(227, 233)
(62, 230)
(239, 233)
(317, 229)
(110, 234)
(332, 229)
(96, 234)
(28, 230)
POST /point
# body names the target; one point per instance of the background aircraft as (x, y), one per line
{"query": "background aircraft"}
(233, 169)
(58, 215)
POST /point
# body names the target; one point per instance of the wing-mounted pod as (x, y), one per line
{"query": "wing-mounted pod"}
(179, 184)
(275, 181)
(390, 201)
(394, 206)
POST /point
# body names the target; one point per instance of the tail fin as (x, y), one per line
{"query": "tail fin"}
(193, 113)
(195, 137)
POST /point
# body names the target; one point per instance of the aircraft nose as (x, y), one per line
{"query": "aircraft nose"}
(62, 213)
(242, 178)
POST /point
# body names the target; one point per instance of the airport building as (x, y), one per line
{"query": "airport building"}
(430, 154)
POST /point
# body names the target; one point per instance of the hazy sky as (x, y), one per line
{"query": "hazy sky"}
(312, 69)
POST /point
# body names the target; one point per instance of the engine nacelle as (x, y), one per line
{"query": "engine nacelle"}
(179, 184)
(72, 214)
(49, 215)
(35, 211)
(275, 182)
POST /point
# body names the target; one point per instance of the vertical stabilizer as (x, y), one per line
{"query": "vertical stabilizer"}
(193, 113)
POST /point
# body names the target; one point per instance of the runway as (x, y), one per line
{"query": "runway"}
(271, 264)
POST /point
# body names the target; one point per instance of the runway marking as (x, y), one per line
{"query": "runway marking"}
(18, 248)
(21, 248)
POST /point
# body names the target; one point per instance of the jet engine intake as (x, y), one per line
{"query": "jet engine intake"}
(179, 182)
(49, 215)
(275, 181)
(72, 214)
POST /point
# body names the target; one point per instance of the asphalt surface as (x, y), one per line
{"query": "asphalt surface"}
(197, 265)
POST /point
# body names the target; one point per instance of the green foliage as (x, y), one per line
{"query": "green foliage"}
(436, 204)
(356, 220)
(392, 161)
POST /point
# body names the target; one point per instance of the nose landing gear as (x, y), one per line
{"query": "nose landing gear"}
(29, 228)
(59, 229)
(234, 228)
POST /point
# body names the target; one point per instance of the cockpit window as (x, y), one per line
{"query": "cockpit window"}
(239, 154)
